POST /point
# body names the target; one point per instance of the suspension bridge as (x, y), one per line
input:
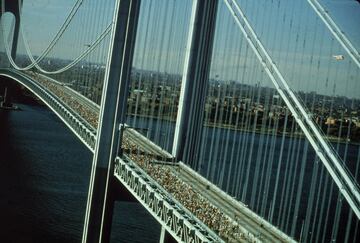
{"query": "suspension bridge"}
(228, 121)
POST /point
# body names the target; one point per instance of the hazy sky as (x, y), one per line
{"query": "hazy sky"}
(295, 37)
(297, 40)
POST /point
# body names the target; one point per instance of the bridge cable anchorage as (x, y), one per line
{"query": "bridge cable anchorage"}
(92, 46)
(333, 163)
(53, 42)
(336, 31)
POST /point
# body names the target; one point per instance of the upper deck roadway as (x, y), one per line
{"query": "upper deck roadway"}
(144, 166)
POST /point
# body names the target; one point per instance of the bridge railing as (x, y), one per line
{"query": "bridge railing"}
(65, 112)
(170, 213)
(252, 144)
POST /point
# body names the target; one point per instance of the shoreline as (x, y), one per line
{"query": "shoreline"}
(257, 131)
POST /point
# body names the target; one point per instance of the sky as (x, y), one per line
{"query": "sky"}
(163, 28)
(41, 19)
(298, 42)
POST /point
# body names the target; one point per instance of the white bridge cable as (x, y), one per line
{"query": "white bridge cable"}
(94, 44)
(304, 113)
(35, 62)
(87, 77)
(345, 167)
(58, 35)
(336, 31)
(158, 58)
(326, 153)
(53, 42)
(297, 100)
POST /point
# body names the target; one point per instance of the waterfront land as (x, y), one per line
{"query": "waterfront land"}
(231, 104)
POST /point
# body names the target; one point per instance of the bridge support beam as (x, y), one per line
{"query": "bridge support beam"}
(98, 218)
(13, 6)
(165, 237)
(194, 84)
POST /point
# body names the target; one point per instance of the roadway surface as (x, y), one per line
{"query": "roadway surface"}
(252, 226)
(256, 229)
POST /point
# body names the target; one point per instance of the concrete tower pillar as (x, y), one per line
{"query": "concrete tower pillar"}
(15, 37)
(13, 6)
(194, 84)
(100, 204)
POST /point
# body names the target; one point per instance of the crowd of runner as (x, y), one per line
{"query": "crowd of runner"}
(68, 99)
(185, 194)
(209, 214)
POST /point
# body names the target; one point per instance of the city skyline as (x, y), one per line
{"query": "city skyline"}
(251, 134)
(300, 60)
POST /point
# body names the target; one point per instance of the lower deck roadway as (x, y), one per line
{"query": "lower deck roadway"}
(256, 229)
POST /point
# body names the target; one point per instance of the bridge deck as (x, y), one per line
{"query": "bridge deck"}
(183, 186)
(230, 219)
(250, 224)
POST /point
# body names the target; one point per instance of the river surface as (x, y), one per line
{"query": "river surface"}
(44, 178)
(248, 165)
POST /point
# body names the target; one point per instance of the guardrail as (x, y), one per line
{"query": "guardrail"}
(72, 119)
(236, 204)
(176, 219)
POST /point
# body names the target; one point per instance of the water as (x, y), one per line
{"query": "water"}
(44, 177)
(252, 171)
(44, 174)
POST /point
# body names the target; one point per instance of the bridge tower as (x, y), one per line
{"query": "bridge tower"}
(98, 219)
(13, 6)
(194, 83)
(100, 204)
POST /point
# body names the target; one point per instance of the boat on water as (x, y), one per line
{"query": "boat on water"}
(4, 106)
